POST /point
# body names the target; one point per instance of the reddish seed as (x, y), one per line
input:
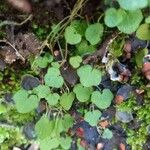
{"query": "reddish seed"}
(122, 146)
(80, 132)
(104, 123)
(146, 70)
(119, 99)
(83, 143)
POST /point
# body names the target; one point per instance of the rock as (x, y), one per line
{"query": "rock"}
(29, 82)
(124, 116)
(29, 131)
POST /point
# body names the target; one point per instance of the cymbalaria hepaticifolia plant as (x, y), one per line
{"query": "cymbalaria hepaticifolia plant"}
(75, 75)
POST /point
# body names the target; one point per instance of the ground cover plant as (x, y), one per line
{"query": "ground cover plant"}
(74, 75)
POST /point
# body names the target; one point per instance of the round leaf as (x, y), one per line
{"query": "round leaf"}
(143, 32)
(71, 35)
(131, 21)
(42, 91)
(65, 142)
(66, 100)
(25, 103)
(49, 143)
(44, 128)
(102, 100)
(133, 4)
(52, 99)
(94, 33)
(113, 17)
(82, 93)
(92, 117)
(89, 76)
(53, 78)
(75, 61)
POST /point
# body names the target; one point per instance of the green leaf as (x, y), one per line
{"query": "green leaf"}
(43, 62)
(82, 93)
(58, 127)
(89, 76)
(71, 35)
(143, 32)
(107, 134)
(55, 65)
(44, 127)
(133, 4)
(3, 109)
(67, 121)
(131, 21)
(65, 142)
(49, 143)
(92, 117)
(113, 17)
(25, 102)
(94, 33)
(147, 20)
(139, 57)
(75, 61)
(80, 26)
(53, 78)
(52, 99)
(84, 49)
(66, 100)
(102, 100)
(42, 91)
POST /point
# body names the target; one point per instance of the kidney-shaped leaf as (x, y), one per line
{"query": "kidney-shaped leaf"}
(89, 76)
(131, 21)
(82, 93)
(25, 102)
(133, 4)
(44, 127)
(113, 17)
(94, 33)
(102, 100)
(92, 117)
(66, 100)
(53, 78)
(72, 36)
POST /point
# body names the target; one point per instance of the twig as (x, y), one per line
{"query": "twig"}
(16, 51)
(7, 22)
